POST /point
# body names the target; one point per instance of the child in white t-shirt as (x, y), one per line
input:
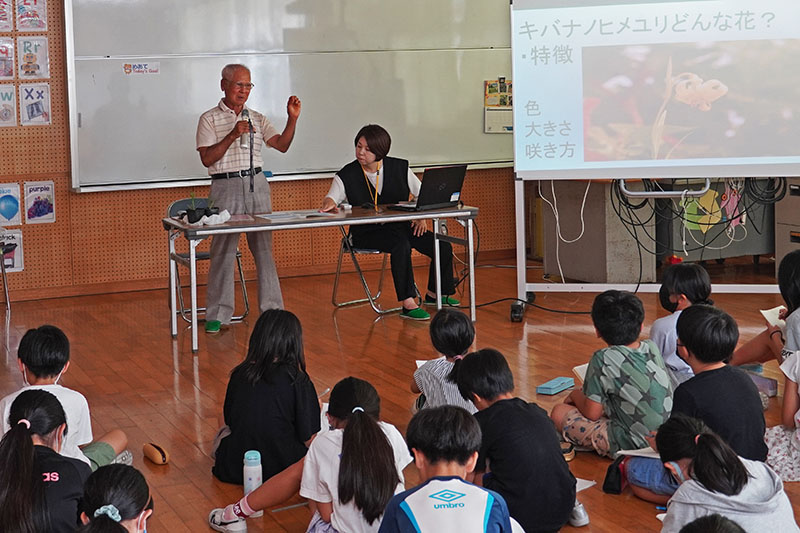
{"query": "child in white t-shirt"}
(43, 357)
(351, 472)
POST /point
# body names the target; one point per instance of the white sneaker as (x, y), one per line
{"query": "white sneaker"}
(216, 523)
(125, 457)
(578, 517)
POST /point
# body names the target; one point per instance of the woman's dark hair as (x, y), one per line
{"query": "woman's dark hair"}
(445, 433)
(713, 523)
(691, 280)
(484, 373)
(709, 333)
(789, 280)
(714, 464)
(277, 340)
(119, 485)
(378, 140)
(452, 333)
(44, 350)
(618, 316)
(22, 500)
(367, 471)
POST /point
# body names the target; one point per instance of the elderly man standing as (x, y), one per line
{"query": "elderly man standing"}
(228, 159)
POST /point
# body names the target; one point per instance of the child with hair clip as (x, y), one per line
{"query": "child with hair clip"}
(270, 404)
(713, 479)
(39, 489)
(116, 498)
(445, 442)
(452, 333)
(352, 471)
(774, 342)
(686, 284)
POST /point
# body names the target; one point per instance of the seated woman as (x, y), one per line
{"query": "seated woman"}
(713, 479)
(375, 179)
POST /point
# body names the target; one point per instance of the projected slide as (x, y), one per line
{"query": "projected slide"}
(659, 89)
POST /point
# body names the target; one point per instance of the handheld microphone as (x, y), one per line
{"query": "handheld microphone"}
(244, 143)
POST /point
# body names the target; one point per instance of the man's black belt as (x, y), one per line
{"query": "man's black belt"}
(238, 174)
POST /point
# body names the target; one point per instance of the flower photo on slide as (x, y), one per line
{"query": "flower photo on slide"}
(691, 100)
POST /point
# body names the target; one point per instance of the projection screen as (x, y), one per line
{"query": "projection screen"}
(699, 88)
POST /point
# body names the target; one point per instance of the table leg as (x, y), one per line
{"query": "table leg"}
(193, 276)
(471, 266)
(438, 259)
(172, 283)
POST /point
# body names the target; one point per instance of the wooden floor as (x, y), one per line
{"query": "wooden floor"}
(138, 378)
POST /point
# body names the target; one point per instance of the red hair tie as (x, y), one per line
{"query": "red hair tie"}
(696, 438)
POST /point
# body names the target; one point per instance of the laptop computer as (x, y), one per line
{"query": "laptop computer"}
(441, 187)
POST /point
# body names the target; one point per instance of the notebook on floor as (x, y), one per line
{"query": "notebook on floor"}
(441, 187)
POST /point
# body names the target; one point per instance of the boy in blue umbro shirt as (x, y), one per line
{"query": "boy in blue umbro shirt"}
(445, 442)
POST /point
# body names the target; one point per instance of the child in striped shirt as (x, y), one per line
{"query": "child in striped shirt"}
(452, 335)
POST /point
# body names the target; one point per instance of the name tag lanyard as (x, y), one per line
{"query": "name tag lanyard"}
(369, 185)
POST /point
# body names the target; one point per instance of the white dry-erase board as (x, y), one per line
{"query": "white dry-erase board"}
(142, 71)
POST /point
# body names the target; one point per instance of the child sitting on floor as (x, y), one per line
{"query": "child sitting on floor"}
(43, 358)
(783, 441)
(452, 333)
(626, 393)
(270, 404)
(774, 343)
(352, 471)
(713, 479)
(519, 446)
(687, 284)
(720, 395)
(445, 441)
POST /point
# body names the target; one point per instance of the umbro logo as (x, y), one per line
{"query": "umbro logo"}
(448, 497)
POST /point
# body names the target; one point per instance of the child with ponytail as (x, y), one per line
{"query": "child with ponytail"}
(452, 334)
(713, 479)
(39, 489)
(116, 498)
(352, 471)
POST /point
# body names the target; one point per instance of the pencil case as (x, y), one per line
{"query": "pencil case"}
(155, 453)
(555, 385)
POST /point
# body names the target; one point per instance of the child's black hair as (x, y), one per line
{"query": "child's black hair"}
(367, 472)
(44, 351)
(789, 280)
(452, 333)
(22, 502)
(709, 333)
(663, 299)
(276, 340)
(484, 373)
(691, 280)
(714, 464)
(119, 485)
(445, 433)
(712, 523)
(618, 317)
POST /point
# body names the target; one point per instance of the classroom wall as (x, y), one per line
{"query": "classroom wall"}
(114, 241)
